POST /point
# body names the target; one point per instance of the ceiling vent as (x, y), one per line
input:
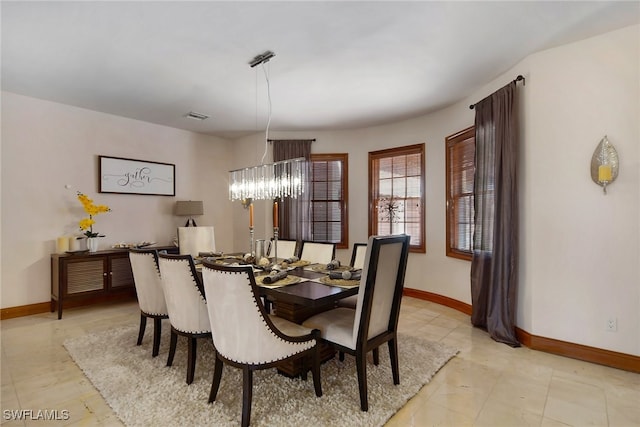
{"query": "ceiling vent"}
(196, 116)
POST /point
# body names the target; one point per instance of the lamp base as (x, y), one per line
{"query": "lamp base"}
(191, 223)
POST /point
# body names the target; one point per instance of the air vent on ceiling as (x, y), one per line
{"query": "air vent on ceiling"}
(196, 116)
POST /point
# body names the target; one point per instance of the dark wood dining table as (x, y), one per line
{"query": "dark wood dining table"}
(299, 301)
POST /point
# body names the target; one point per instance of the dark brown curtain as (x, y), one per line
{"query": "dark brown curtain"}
(294, 219)
(494, 266)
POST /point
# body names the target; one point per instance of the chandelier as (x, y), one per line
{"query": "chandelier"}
(281, 179)
(274, 180)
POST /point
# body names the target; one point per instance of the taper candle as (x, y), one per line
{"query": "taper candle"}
(251, 215)
(275, 214)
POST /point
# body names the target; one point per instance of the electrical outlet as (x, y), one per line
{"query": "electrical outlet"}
(612, 324)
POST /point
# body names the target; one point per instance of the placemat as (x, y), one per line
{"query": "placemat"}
(289, 280)
(322, 268)
(341, 283)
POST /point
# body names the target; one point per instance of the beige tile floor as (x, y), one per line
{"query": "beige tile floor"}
(486, 384)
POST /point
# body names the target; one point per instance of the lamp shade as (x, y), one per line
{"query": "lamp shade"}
(189, 208)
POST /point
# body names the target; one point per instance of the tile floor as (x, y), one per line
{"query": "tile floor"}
(486, 384)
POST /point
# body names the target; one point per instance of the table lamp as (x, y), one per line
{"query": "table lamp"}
(189, 208)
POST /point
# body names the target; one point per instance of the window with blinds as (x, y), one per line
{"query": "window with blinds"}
(460, 168)
(396, 194)
(329, 198)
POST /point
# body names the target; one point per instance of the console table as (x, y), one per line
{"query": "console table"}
(88, 278)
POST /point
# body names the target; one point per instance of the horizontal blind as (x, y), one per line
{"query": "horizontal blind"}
(460, 177)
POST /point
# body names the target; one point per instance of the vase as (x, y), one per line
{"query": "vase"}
(92, 244)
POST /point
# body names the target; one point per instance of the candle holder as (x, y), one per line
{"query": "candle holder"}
(275, 242)
(604, 164)
(251, 249)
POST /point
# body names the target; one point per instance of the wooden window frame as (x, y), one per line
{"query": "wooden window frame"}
(452, 227)
(343, 158)
(374, 189)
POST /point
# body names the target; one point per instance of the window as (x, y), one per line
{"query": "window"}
(329, 198)
(396, 193)
(460, 167)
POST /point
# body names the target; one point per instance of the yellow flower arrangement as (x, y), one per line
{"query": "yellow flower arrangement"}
(86, 224)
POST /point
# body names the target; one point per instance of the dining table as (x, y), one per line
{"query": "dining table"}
(306, 290)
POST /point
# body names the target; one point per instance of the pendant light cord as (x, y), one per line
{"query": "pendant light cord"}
(266, 133)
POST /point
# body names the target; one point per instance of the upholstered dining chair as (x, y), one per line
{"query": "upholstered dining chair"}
(374, 321)
(193, 240)
(146, 278)
(317, 253)
(358, 254)
(186, 304)
(286, 249)
(246, 337)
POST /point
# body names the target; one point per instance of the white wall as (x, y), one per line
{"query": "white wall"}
(47, 145)
(580, 250)
(582, 247)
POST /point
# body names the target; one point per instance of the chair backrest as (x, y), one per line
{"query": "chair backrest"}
(184, 294)
(240, 328)
(286, 248)
(146, 277)
(193, 240)
(321, 253)
(358, 254)
(381, 284)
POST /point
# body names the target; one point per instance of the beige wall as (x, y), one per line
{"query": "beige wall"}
(46, 146)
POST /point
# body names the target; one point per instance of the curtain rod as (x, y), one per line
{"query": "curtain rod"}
(273, 140)
(516, 80)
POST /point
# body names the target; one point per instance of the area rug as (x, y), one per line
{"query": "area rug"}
(142, 391)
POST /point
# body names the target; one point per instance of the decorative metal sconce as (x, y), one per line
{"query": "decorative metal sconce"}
(604, 164)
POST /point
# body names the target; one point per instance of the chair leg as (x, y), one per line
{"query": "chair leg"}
(191, 356)
(143, 325)
(247, 392)
(157, 329)
(376, 356)
(393, 355)
(341, 356)
(304, 368)
(172, 347)
(361, 367)
(215, 384)
(315, 370)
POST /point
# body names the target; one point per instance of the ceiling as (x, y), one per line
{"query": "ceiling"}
(337, 64)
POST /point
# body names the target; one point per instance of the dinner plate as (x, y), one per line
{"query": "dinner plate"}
(341, 283)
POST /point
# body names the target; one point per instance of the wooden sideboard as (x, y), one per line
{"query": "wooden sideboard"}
(88, 278)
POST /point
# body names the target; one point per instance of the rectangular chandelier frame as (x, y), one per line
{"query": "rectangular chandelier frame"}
(281, 179)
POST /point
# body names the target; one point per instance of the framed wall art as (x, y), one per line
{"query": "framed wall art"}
(130, 176)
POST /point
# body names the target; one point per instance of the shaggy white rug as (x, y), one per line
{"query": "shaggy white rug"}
(144, 392)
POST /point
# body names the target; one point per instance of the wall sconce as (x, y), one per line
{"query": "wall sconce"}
(604, 164)
(189, 208)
